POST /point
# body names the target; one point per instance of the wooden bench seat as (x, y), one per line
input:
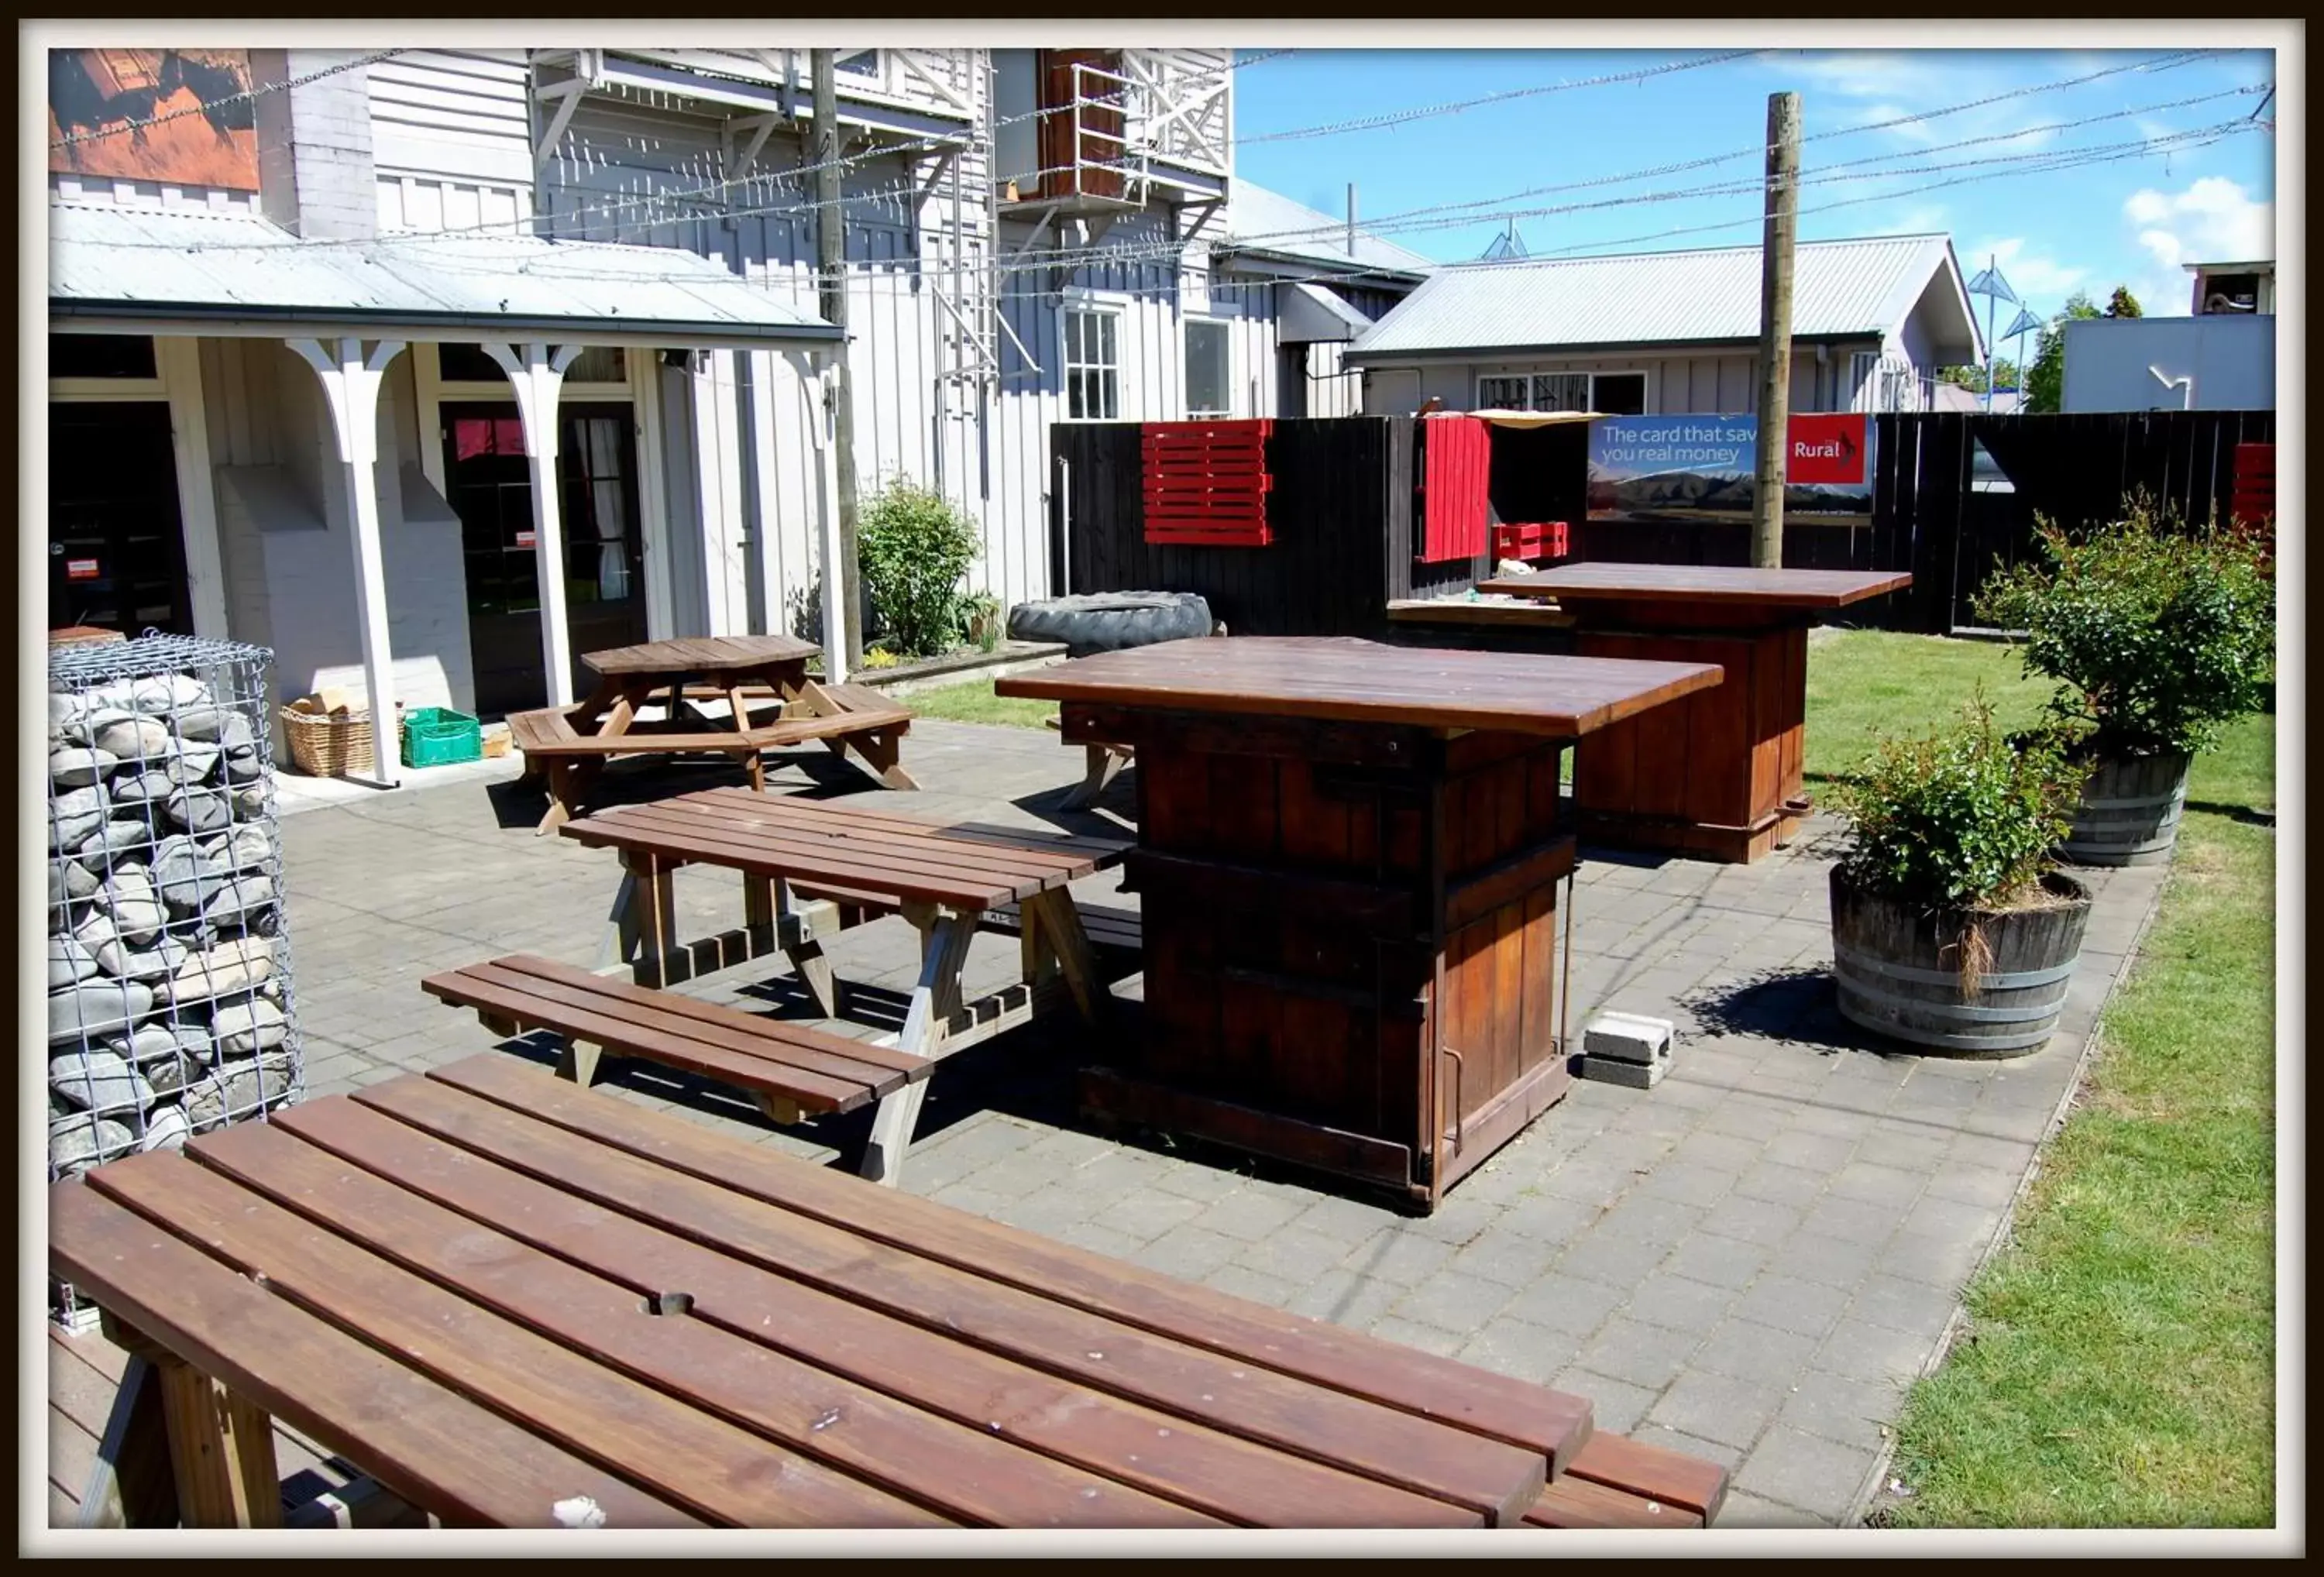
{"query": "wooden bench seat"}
(790, 1070)
(1110, 929)
(1616, 1482)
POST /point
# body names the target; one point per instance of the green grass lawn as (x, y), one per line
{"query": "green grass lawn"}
(973, 701)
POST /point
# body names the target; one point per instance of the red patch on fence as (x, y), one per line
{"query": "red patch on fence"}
(1456, 472)
(1205, 483)
(1826, 448)
(80, 569)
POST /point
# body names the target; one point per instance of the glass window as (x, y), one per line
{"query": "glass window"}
(1093, 365)
(101, 356)
(1208, 382)
(1561, 391)
(1860, 369)
(1618, 394)
(1504, 394)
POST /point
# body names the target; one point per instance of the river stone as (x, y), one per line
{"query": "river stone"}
(151, 1043)
(194, 1042)
(166, 1127)
(200, 810)
(150, 963)
(142, 788)
(80, 766)
(243, 765)
(123, 834)
(237, 897)
(167, 1076)
(98, 1081)
(237, 965)
(247, 848)
(158, 695)
(250, 800)
(80, 1141)
(135, 908)
(251, 1026)
(74, 815)
(237, 1090)
(134, 739)
(68, 961)
(95, 1006)
(191, 762)
(189, 879)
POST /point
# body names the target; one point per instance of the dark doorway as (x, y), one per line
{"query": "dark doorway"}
(117, 545)
(490, 483)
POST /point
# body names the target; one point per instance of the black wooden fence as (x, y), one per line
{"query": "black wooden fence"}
(1344, 513)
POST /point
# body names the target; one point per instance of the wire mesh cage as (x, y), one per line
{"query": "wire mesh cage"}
(171, 1004)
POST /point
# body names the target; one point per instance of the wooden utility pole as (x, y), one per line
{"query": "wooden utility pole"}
(830, 263)
(1776, 329)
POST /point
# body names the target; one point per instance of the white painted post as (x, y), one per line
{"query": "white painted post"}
(350, 380)
(816, 374)
(535, 379)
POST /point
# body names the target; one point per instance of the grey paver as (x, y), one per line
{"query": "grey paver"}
(1643, 1354)
(1454, 1302)
(1570, 1305)
(1519, 1349)
(1718, 1407)
(1796, 1469)
(1747, 1349)
(1617, 1405)
(1835, 1407)
(1680, 1303)
(1806, 1308)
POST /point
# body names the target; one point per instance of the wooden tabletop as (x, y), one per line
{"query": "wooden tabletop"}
(1365, 681)
(494, 1291)
(1702, 583)
(832, 842)
(708, 655)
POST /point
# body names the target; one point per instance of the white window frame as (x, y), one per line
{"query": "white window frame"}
(1185, 366)
(1067, 367)
(1591, 375)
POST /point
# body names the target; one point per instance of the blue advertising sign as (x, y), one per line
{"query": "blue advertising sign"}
(1700, 467)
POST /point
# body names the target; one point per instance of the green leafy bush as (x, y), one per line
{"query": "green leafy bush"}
(982, 620)
(914, 549)
(2157, 634)
(1960, 817)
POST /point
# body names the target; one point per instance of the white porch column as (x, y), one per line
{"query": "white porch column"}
(816, 391)
(535, 371)
(350, 380)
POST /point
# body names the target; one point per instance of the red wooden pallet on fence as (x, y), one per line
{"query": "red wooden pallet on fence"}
(1205, 483)
(1457, 457)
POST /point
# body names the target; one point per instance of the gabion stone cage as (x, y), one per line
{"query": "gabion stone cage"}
(171, 1009)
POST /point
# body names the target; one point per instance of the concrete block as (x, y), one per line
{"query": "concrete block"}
(1630, 1038)
(1614, 1071)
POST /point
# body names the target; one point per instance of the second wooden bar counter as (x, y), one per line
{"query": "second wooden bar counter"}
(1347, 865)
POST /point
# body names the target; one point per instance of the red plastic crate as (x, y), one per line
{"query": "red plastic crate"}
(1541, 540)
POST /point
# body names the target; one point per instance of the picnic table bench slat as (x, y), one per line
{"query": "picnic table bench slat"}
(524, 1006)
(1577, 1502)
(852, 812)
(1483, 1475)
(423, 1442)
(961, 1471)
(776, 811)
(1634, 1467)
(1222, 1476)
(815, 1048)
(915, 856)
(1554, 1424)
(712, 1468)
(764, 858)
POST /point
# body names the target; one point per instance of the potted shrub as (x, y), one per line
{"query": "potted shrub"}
(1950, 930)
(2157, 636)
(915, 550)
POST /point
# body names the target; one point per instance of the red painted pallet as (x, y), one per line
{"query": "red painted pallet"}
(1456, 467)
(1205, 483)
(1542, 539)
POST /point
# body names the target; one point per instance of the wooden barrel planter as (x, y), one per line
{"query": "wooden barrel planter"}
(2130, 813)
(1897, 967)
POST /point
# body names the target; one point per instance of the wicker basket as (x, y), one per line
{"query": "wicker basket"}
(327, 746)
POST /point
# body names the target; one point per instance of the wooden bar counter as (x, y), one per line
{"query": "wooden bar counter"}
(1347, 862)
(1719, 775)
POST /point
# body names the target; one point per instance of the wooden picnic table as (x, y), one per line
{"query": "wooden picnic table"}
(568, 744)
(1347, 860)
(514, 1303)
(810, 868)
(1721, 774)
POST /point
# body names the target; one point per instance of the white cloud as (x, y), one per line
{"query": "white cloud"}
(2214, 220)
(2036, 279)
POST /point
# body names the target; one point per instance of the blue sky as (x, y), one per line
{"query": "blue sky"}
(2130, 221)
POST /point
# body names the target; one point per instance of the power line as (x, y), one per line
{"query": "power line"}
(1400, 118)
(205, 105)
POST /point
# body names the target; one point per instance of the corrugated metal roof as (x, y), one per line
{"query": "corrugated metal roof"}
(174, 262)
(1264, 221)
(1660, 298)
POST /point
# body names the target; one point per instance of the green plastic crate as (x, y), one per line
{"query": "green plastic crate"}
(433, 736)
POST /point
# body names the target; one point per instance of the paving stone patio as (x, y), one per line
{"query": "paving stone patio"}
(1749, 1262)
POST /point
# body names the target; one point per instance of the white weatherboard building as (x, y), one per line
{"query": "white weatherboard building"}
(1674, 333)
(465, 272)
